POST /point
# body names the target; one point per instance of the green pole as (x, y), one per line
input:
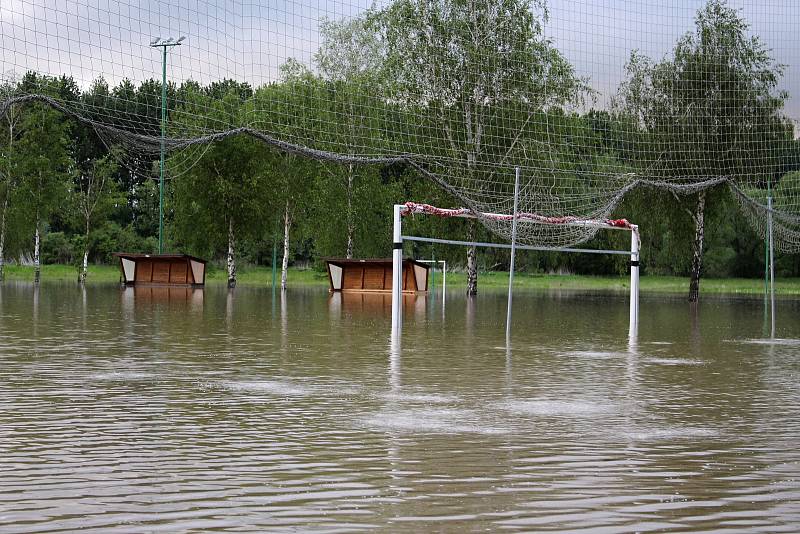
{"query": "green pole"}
(433, 273)
(274, 262)
(163, 46)
(163, 142)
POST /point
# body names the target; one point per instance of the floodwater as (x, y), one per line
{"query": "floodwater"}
(159, 410)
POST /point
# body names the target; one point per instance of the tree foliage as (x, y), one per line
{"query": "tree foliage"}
(709, 112)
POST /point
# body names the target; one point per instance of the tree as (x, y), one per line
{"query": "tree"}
(293, 104)
(96, 194)
(467, 67)
(349, 60)
(711, 113)
(9, 178)
(44, 164)
(219, 196)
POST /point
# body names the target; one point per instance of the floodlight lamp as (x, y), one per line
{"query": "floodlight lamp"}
(168, 41)
(155, 41)
(181, 39)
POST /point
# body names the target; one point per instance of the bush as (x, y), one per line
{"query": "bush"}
(58, 248)
(111, 237)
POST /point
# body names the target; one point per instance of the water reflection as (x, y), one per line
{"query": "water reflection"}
(376, 304)
(284, 324)
(84, 305)
(694, 315)
(186, 298)
(394, 363)
(229, 309)
(201, 413)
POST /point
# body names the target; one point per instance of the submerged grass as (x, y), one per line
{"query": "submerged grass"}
(262, 276)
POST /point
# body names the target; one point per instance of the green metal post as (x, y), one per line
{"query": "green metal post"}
(163, 142)
(274, 262)
(433, 273)
(163, 46)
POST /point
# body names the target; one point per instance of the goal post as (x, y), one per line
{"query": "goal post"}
(409, 208)
(397, 271)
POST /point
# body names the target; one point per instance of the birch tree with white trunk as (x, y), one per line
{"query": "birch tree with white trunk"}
(287, 224)
(711, 110)
(45, 166)
(349, 61)
(469, 69)
(96, 194)
(223, 198)
(9, 179)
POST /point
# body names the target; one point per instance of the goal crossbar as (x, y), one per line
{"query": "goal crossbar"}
(414, 208)
(508, 245)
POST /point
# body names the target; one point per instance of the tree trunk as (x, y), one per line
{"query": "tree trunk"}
(85, 265)
(697, 252)
(350, 217)
(231, 255)
(3, 238)
(287, 222)
(472, 263)
(36, 264)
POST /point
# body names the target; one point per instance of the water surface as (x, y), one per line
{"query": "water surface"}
(160, 410)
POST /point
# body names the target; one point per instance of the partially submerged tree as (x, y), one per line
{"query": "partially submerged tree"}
(292, 179)
(350, 61)
(44, 164)
(96, 194)
(9, 177)
(295, 104)
(467, 67)
(220, 195)
(711, 113)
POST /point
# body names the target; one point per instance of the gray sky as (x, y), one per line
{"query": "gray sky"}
(250, 39)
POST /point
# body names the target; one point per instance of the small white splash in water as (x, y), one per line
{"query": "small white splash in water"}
(426, 398)
(599, 355)
(271, 387)
(776, 341)
(123, 376)
(668, 433)
(429, 420)
(557, 407)
(673, 361)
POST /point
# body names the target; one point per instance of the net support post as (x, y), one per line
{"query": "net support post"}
(444, 281)
(397, 272)
(634, 304)
(771, 268)
(513, 254)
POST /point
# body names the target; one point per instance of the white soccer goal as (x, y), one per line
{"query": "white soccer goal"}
(412, 208)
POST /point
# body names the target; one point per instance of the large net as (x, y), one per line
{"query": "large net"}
(590, 99)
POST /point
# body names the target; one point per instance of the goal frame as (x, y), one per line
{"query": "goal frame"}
(399, 210)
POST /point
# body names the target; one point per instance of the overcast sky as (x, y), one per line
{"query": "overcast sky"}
(249, 40)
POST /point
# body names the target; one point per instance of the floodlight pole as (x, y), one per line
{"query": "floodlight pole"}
(513, 255)
(163, 45)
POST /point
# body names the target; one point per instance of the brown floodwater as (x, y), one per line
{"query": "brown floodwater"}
(158, 410)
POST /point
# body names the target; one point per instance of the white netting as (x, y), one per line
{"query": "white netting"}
(591, 99)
